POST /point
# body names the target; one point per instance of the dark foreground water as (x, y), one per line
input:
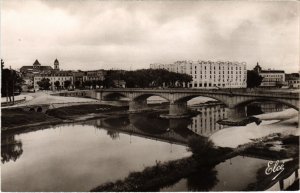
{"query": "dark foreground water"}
(81, 156)
(235, 174)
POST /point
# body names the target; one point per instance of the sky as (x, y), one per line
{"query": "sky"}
(93, 34)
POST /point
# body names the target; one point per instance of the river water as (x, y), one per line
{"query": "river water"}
(81, 156)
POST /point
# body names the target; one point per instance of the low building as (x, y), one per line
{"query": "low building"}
(119, 83)
(94, 75)
(271, 78)
(293, 80)
(54, 76)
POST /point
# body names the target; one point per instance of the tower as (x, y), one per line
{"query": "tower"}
(257, 68)
(36, 64)
(56, 64)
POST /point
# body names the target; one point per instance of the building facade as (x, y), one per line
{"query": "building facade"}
(60, 76)
(293, 80)
(271, 78)
(209, 74)
(36, 70)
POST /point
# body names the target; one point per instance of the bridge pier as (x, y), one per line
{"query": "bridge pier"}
(177, 110)
(137, 106)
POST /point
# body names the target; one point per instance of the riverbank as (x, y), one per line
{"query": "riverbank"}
(17, 118)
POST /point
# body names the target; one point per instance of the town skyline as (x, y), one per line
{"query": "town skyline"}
(132, 35)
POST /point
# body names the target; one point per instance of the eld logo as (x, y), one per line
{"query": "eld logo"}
(274, 167)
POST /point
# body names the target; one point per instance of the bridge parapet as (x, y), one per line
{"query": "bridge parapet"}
(179, 97)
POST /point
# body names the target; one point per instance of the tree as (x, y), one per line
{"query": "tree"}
(87, 83)
(99, 83)
(10, 82)
(67, 84)
(57, 84)
(77, 84)
(253, 79)
(44, 84)
(94, 84)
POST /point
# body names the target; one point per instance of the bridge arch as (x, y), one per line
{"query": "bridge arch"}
(144, 96)
(189, 97)
(114, 95)
(39, 109)
(246, 102)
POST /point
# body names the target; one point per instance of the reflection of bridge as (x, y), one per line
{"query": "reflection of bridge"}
(169, 135)
(178, 98)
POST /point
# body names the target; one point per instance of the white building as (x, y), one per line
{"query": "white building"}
(60, 76)
(208, 74)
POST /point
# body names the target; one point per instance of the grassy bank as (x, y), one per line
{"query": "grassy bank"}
(73, 111)
(18, 118)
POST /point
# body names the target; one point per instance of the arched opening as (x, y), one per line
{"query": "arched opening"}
(115, 97)
(39, 109)
(31, 110)
(195, 100)
(147, 102)
(264, 105)
(151, 98)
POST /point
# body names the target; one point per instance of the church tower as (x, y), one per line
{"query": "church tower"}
(257, 68)
(56, 64)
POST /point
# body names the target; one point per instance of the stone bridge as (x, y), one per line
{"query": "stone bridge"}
(178, 98)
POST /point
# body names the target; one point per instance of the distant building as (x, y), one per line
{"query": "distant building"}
(83, 76)
(271, 78)
(209, 74)
(293, 80)
(119, 83)
(94, 75)
(29, 72)
(34, 69)
(60, 76)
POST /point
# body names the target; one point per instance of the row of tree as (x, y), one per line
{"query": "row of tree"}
(45, 84)
(11, 82)
(148, 78)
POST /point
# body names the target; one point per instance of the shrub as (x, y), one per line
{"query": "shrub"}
(201, 146)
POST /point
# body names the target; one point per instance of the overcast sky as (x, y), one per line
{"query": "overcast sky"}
(100, 34)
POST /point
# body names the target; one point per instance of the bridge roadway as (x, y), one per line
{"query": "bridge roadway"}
(232, 98)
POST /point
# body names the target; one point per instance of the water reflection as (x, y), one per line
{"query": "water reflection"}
(223, 177)
(257, 108)
(11, 149)
(78, 158)
(170, 130)
(203, 180)
(205, 123)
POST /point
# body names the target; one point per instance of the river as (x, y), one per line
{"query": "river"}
(81, 156)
